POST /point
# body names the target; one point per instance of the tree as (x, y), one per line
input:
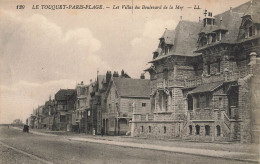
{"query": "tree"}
(17, 121)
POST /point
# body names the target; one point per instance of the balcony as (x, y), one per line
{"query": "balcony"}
(162, 83)
(233, 76)
(203, 115)
(189, 83)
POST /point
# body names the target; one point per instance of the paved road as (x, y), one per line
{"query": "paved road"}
(19, 147)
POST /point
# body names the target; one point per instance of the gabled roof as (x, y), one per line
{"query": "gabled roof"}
(64, 94)
(127, 87)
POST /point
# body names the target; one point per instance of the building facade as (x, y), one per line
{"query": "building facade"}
(65, 106)
(202, 77)
(122, 97)
(82, 105)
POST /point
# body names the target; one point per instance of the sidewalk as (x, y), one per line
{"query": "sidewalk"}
(233, 151)
(192, 151)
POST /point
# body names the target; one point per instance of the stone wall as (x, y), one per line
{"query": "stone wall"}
(162, 130)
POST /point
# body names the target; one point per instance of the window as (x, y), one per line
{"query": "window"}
(62, 118)
(117, 107)
(143, 104)
(109, 107)
(208, 68)
(142, 128)
(198, 101)
(250, 31)
(155, 55)
(164, 129)
(220, 102)
(218, 66)
(130, 107)
(214, 38)
(218, 130)
(207, 100)
(203, 41)
(190, 102)
(165, 74)
(190, 130)
(88, 112)
(99, 115)
(149, 129)
(197, 129)
(218, 36)
(207, 130)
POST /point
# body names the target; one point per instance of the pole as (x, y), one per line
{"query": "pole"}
(117, 123)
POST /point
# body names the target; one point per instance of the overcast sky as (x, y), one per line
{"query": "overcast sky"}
(45, 50)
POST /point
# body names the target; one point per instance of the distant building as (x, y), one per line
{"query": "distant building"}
(65, 106)
(49, 112)
(82, 105)
(124, 95)
(97, 95)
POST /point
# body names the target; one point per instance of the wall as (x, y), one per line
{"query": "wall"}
(126, 106)
(157, 130)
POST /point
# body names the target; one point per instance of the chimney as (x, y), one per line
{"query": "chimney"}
(90, 81)
(122, 73)
(180, 18)
(230, 9)
(115, 74)
(199, 19)
(108, 76)
(142, 76)
(82, 83)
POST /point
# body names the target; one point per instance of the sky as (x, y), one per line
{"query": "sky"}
(42, 51)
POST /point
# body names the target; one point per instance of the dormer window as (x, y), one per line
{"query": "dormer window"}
(250, 31)
(203, 41)
(250, 28)
(155, 55)
(166, 49)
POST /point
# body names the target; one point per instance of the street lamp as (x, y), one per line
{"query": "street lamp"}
(117, 115)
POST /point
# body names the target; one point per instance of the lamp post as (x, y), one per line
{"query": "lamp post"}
(117, 123)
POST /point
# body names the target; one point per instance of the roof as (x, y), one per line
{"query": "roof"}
(254, 11)
(209, 87)
(64, 94)
(127, 87)
(186, 37)
(169, 36)
(183, 38)
(231, 21)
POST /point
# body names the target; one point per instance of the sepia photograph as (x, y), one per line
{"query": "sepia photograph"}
(129, 81)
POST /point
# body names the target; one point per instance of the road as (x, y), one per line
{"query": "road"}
(27, 148)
